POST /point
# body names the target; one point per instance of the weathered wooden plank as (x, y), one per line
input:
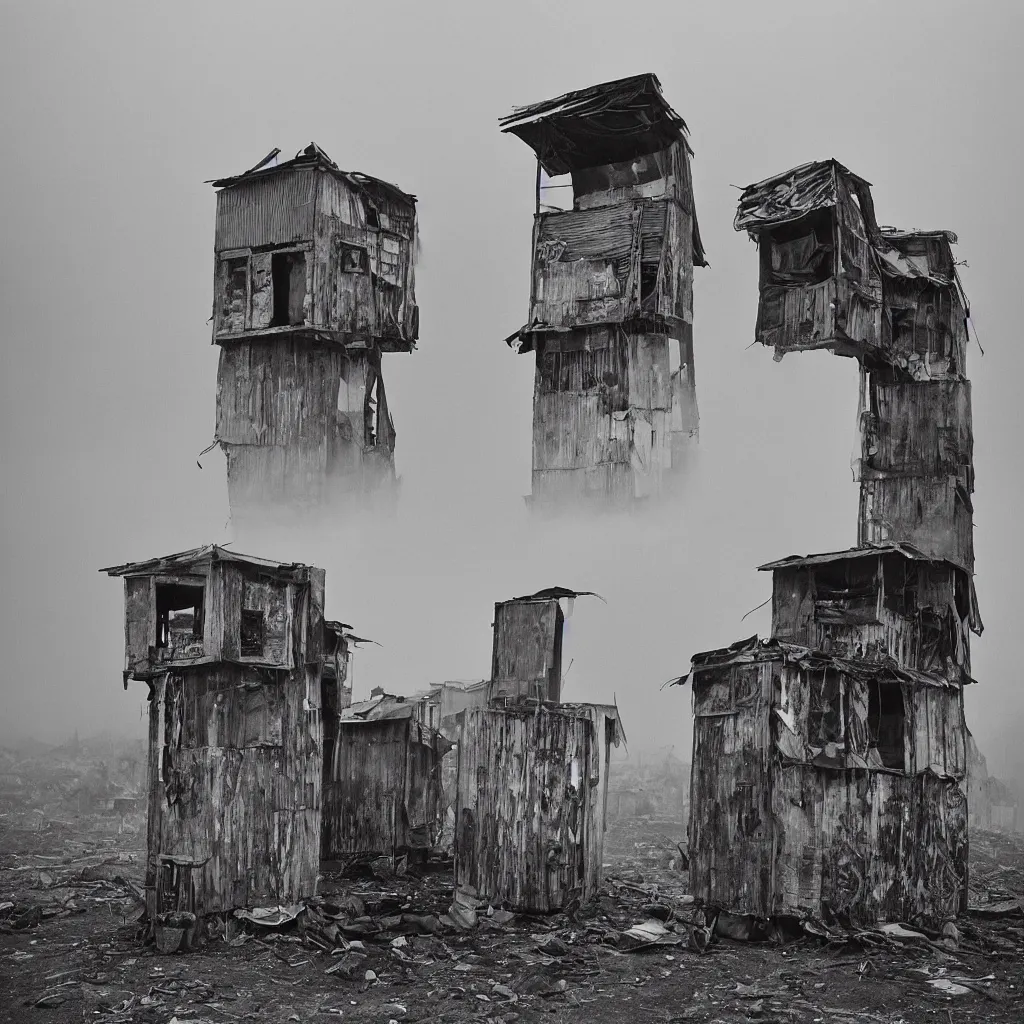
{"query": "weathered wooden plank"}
(839, 835)
(528, 782)
(929, 513)
(526, 655)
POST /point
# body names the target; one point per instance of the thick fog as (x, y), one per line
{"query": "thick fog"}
(113, 115)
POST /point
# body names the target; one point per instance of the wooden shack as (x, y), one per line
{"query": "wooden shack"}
(382, 782)
(611, 293)
(830, 762)
(826, 788)
(820, 285)
(530, 810)
(231, 648)
(313, 280)
(531, 774)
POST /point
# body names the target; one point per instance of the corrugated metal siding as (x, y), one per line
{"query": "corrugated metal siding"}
(529, 807)
(267, 211)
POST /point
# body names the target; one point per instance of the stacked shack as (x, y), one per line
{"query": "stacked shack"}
(611, 292)
(532, 779)
(830, 761)
(314, 281)
(232, 650)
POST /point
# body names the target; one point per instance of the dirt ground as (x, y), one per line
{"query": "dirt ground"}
(379, 950)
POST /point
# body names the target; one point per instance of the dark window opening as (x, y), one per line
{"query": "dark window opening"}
(938, 640)
(179, 619)
(555, 675)
(354, 259)
(800, 253)
(253, 629)
(825, 715)
(288, 277)
(902, 321)
(961, 594)
(648, 280)
(848, 590)
(887, 722)
(372, 217)
(897, 589)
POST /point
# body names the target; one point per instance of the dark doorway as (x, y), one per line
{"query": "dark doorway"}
(887, 722)
(288, 276)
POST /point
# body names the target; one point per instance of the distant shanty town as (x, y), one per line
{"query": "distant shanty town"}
(834, 781)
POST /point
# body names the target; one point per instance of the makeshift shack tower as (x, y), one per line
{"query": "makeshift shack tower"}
(232, 650)
(615, 241)
(532, 777)
(830, 761)
(313, 283)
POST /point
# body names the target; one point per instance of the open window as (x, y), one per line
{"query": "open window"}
(799, 253)
(825, 714)
(846, 592)
(887, 723)
(179, 619)
(353, 259)
(288, 276)
(234, 284)
(648, 279)
(555, 195)
(253, 635)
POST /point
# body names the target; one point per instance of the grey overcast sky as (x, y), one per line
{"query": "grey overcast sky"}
(113, 115)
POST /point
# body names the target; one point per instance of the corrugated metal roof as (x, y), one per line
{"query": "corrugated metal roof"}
(850, 554)
(314, 156)
(184, 559)
(756, 649)
(797, 192)
(901, 254)
(602, 124)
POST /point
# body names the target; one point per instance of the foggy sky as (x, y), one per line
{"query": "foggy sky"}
(112, 117)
